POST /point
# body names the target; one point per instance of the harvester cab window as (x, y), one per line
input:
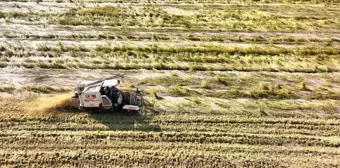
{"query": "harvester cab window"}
(114, 94)
(107, 92)
(101, 91)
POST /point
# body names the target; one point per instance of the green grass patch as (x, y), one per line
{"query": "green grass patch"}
(168, 81)
(181, 91)
(102, 11)
(45, 89)
(7, 89)
(235, 18)
(265, 90)
(3, 64)
(205, 84)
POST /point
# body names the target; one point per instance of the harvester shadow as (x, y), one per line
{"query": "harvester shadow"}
(125, 122)
(117, 121)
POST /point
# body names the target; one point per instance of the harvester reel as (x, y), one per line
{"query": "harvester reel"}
(133, 97)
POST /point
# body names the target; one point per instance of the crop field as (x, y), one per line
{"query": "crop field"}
(226, 83)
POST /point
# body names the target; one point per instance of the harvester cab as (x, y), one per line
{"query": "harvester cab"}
(104, 95)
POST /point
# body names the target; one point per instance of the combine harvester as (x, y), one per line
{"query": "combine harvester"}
(104, 95)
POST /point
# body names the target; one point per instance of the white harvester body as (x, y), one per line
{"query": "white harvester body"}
(103, 94)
